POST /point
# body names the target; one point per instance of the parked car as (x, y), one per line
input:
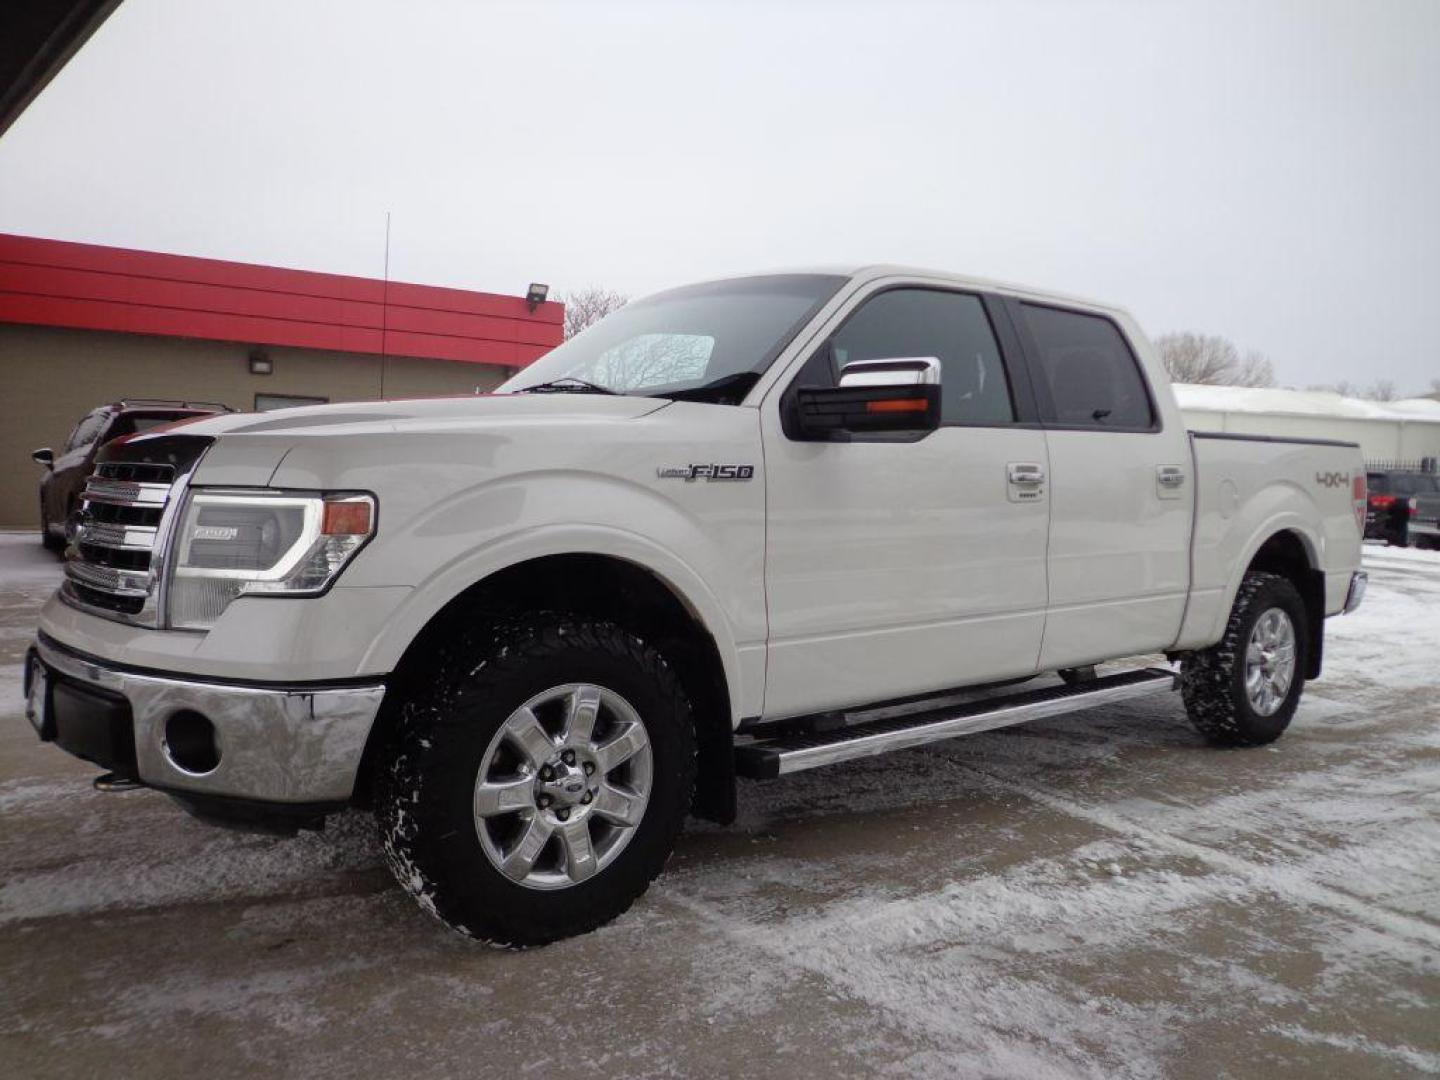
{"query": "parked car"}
(751, 527)
(1402, 507)
(66, 472)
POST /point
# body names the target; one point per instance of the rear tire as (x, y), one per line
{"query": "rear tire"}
(49, 540)
(1243, 691)
(478, 790)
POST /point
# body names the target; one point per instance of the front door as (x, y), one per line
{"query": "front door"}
(897, 566)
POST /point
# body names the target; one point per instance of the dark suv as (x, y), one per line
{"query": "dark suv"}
(67, 472)
(1403, 507)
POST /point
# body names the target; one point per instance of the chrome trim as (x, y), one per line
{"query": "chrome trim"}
(276, 744)
(1359, 580)
(133, 584)
(117, 537)
(154, 581)
(125, 492)
(896, 371)
(812, 757)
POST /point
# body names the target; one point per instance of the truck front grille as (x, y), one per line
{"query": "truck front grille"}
(114, 565)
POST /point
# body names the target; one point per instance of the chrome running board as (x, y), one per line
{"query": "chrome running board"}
(767, 758)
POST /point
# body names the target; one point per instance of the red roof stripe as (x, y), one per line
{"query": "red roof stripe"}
(57, 283)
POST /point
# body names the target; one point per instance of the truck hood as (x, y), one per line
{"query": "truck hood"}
(249, 447)
(424, 414)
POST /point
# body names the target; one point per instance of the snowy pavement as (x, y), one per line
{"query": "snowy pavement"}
(1100, 895)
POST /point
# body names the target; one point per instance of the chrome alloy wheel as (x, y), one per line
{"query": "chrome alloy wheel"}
(562, 786)
(1270, 661)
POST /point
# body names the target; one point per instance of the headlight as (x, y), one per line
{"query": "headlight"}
(233, 544)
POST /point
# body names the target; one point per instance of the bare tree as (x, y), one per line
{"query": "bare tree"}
(1211, 360)
(1381, 390)
(1255, 370)
(589, 305)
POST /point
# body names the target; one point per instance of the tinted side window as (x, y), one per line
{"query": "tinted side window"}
(951, 327)
(88, 430)
(1377, 483)
(1089, 370)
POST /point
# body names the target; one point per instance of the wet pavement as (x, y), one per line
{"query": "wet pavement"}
(1099, 895)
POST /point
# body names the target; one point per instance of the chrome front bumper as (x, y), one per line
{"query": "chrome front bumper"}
(276, 744)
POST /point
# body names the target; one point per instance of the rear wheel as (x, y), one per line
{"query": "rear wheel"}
(51, 541)
(537, 783)
(1243, 691)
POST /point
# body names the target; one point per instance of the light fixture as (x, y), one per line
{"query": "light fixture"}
(260, 363)
(536, 294)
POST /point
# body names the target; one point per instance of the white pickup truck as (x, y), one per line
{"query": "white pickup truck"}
(742, 528)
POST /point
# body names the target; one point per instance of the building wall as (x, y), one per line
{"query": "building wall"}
(1379, 439)
(51, 377)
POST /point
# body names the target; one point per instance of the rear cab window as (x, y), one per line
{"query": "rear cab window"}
(1414, 484)
(1085, 372)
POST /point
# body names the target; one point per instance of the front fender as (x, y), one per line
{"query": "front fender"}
(427, 600)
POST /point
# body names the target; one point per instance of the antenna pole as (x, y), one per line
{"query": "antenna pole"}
(385, 307)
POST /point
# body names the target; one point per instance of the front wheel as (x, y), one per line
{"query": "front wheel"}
(1243, 691)
(537, 783)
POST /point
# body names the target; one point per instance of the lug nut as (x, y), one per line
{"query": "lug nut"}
(588, 796)
(568, 757)
(563, 815)
(546, 772)
(589, 768)
(544, 801)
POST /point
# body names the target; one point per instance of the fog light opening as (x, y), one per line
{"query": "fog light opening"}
(190, 743)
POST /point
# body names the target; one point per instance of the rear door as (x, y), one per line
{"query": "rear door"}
(897, 566)
(1121, 493)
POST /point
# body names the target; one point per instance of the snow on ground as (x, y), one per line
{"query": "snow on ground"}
(1098, 895)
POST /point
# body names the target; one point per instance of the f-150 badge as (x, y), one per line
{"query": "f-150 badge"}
(707, 472)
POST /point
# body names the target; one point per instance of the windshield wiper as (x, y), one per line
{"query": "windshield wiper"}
(568, 385)
(726, 390)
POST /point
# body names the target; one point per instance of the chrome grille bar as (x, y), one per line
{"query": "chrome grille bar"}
(117, 537)
(131, 584)
(125, 492)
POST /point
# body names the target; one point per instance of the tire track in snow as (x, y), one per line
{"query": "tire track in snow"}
(1282, 880)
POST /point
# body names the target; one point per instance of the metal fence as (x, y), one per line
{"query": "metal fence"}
(1420, 465)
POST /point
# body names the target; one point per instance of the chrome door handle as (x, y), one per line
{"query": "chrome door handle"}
(1171, 476)
(1026, 473)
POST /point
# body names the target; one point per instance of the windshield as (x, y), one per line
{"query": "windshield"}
(708, 342)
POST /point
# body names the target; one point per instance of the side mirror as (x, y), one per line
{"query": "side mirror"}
(899, 395)
(45, 457)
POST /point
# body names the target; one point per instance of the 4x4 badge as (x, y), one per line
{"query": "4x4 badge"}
(1332, 479)
(707, 472)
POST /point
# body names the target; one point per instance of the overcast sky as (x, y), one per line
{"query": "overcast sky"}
(1266, 171)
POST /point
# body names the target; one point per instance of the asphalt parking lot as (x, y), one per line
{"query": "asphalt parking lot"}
(1100, 895)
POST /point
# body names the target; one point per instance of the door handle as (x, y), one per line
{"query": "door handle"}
(1169, 480)
(1026, 481)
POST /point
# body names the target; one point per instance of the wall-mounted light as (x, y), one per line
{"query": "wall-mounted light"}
(536, 294)
(260, 363)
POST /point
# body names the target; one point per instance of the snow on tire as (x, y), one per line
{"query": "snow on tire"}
(1243, 691)
(537, 780)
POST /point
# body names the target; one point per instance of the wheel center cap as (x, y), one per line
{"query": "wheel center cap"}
(566, 785)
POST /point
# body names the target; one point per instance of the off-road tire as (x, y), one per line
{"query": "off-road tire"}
(426, 773)
(1212, 681)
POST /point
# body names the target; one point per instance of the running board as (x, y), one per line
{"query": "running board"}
(766, 759)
